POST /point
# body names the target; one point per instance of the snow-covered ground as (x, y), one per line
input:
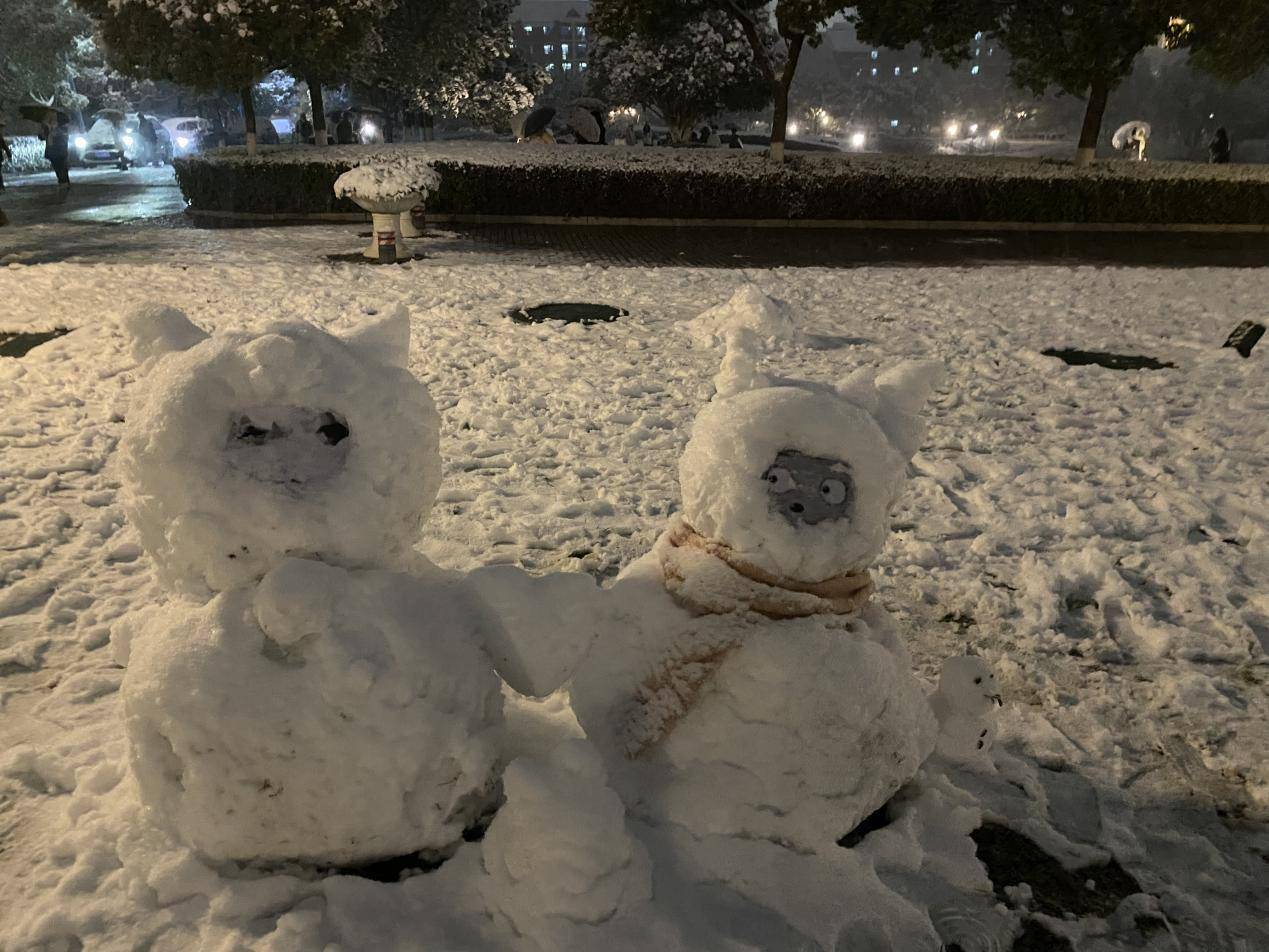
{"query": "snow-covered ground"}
(1100, 537)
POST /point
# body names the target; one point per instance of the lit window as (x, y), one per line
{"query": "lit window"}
(991, 51)
(564, 50)
(528, 28)
(549, 49)
(978, 35)
(546, 29)
(550, 67)
(581, 67)
(874, 71)
(916, 69)
(978, 52)
(975, 71)
(874, 54)
(568, 67)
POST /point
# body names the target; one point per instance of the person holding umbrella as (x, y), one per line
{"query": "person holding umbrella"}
(1219, 149)
(55, 132)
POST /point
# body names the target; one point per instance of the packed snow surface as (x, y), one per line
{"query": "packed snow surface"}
(1097, 537)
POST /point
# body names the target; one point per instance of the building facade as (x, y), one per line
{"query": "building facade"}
(554, 35)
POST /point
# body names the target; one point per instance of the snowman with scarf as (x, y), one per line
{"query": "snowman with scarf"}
(750, 687)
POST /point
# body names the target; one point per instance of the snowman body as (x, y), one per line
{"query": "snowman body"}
(300, 696)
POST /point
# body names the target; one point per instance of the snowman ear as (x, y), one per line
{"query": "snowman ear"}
(385, 340)
(739, 369)
(860, 388)
(903, 392)
(156, 329)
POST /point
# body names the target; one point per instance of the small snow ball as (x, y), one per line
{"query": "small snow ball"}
(244, 448)
(558, 854)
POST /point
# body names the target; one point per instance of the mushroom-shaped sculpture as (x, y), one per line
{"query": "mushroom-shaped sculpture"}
(387, 191)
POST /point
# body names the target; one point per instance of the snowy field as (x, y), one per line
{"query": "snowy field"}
(1100, 537)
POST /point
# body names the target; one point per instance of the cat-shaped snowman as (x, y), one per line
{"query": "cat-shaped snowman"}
(751, 688)
(300, 696)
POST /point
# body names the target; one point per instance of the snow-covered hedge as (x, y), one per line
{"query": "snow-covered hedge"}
(28, 155)
(504, 179)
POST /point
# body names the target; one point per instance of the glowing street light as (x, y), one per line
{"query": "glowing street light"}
(994, 135)
(793, 128)
(858, 140)
(973, 129)
(953, 130)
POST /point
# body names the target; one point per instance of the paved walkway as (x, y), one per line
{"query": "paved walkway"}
(126, 216)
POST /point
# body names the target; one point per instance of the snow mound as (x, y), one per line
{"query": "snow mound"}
(245, 448)
(382, 182)
(558, 853)
(749, 308)
(325, 716)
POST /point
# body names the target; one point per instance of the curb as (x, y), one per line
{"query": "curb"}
(247, 219)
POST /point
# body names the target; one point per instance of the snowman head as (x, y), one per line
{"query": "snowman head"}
(244, 449)
(969, 686)
(798, 478)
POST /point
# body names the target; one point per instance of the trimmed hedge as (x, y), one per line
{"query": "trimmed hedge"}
(507, 180)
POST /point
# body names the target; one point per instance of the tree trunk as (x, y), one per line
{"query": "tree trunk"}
(1099, 94)
(319, 110)
(249, 119)
(780, 115)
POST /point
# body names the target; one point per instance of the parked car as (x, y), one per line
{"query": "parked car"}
(185, 133)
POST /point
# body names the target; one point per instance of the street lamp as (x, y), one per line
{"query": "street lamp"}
(953, 130)
(858, 140)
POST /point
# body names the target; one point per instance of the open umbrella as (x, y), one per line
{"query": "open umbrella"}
(1126, 135)
(537, 120)
(583, 123)
(39, 112)
(110, 115)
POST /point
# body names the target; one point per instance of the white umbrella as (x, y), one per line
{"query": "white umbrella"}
(1125, 136)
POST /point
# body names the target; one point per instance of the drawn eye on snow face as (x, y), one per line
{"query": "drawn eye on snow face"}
(289, 447)
(808, 490)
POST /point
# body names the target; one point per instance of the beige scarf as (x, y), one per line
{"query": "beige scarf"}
(708, 578)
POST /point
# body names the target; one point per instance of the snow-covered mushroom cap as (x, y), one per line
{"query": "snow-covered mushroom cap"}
(869, 424)
(395, 187)
(243, 449)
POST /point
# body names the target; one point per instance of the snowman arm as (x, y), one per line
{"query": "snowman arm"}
(547, 624)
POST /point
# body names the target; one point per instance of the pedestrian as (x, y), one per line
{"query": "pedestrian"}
(733, 141)
(712, 139)
(306, 129)
(647, 133)
(149, 140)
(344, 130)
(57, 149)
(1219, 149)
(6, 154)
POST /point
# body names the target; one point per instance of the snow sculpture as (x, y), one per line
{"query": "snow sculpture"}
(750, 309)
(965, 704)
(389, 192)
(558, 854)
(303, 698)
(753, 689)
